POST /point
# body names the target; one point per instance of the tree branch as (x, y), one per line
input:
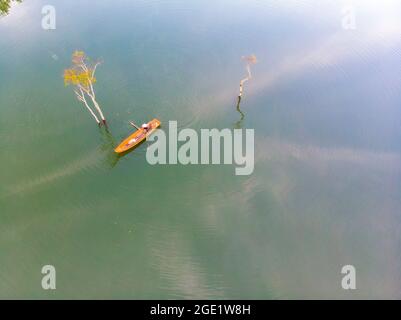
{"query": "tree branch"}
(94, 68)
(81, 97)
(241, 84)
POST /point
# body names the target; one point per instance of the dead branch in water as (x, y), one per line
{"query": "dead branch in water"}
(249, 61)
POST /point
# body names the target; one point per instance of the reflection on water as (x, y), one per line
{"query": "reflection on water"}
(108, 145)
(325, 106)
(238, 124)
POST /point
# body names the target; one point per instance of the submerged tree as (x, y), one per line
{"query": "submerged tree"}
(82, 76)
(249, 61)
(5, 6)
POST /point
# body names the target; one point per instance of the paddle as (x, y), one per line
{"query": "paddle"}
(134, 125)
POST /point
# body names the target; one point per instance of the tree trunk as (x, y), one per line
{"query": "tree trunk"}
(99, 110)
(90, 109)
(241, 84)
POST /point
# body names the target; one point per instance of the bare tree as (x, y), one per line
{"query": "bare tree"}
(82, 76)
(249, 61)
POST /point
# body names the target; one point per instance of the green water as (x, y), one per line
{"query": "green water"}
(325, 104)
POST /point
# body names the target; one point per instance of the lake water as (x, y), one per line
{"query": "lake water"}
(325, 104)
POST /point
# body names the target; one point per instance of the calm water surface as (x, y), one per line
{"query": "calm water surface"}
(325, 104)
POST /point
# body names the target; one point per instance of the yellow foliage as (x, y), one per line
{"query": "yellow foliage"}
(78, 53)
(78, 57)
(77, 77)
(250, 59)
(81, 72)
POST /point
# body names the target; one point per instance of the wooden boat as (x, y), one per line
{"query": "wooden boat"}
(137, 137)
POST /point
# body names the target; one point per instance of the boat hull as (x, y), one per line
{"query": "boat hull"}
(137, 137)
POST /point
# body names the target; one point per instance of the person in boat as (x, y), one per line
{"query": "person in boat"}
(146, 127)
